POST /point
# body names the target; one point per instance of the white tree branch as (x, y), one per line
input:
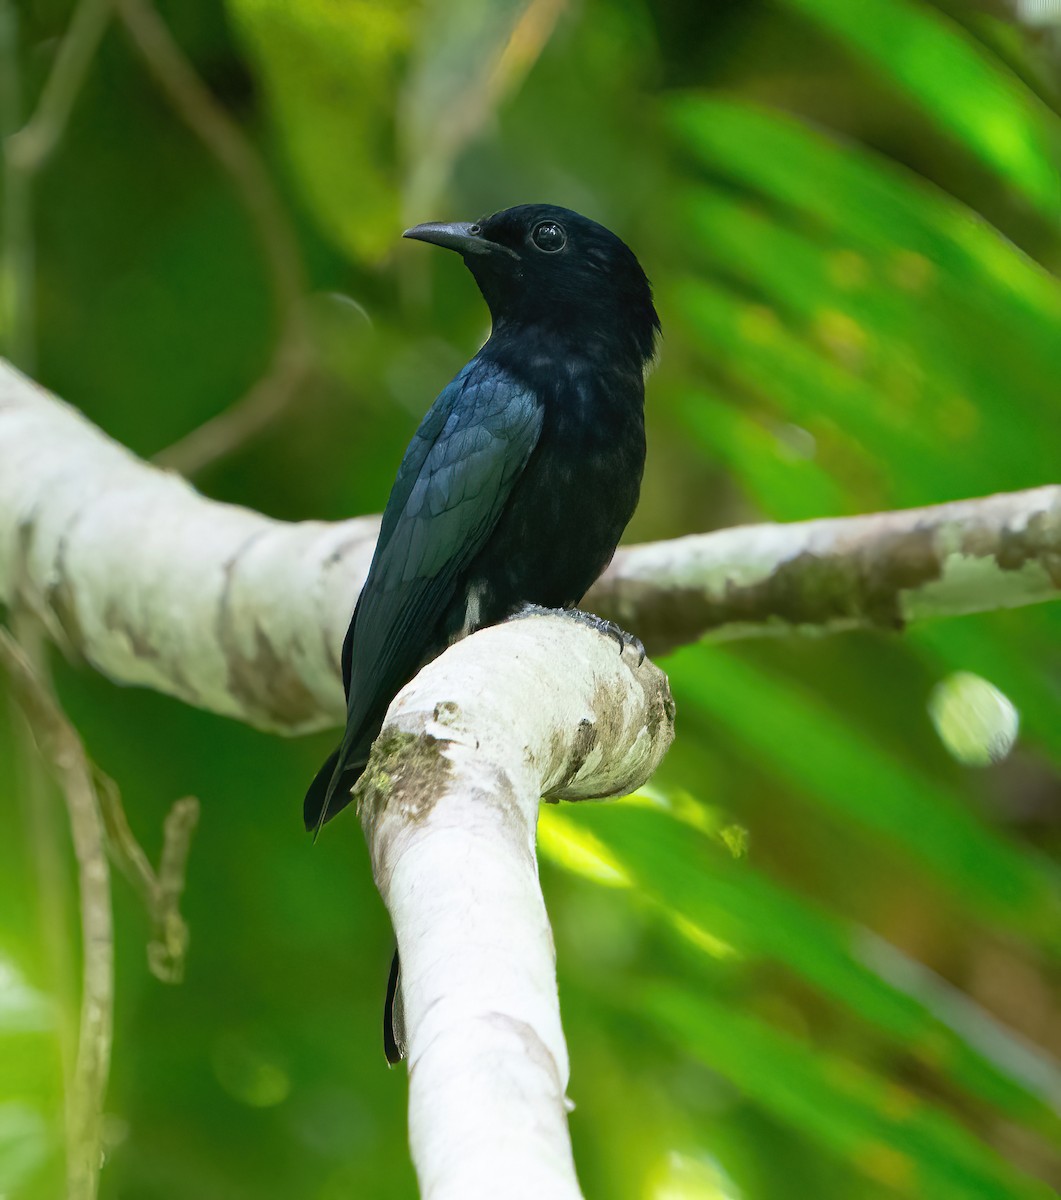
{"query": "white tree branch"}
(153, 584)
(234, 612)
(874, 572)
(449, 806)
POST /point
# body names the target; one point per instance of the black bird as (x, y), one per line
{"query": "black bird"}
(523, 474)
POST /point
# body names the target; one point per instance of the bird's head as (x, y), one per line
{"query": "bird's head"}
(548, 268)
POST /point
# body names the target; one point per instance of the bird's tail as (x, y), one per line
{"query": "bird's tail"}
(394, 1016)
(329, 793)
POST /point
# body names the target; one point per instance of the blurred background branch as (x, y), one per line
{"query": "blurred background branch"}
(98, 825)
(293, 358)
(159, 891)
(28, 148)
(252, 413)
(87, 1087)
(31, 147)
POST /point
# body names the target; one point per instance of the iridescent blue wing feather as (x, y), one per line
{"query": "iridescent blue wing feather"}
(450, 491)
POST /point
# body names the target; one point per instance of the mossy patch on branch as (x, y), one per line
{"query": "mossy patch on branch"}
(410, 764)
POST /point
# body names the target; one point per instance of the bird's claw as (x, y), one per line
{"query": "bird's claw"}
(610, 629)
(624, 638)
(601, 624)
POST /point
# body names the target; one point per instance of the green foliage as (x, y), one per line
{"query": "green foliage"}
(330, 71)
(883, 1131)
(27, 1030)
(830, 760)
(820, 959)
(954, 83)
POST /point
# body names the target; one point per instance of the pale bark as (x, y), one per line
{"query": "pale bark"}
(449, 805)
(234, 612)
(156, 585)
(879, 571)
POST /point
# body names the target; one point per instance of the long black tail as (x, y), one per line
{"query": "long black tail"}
(329, 793)
(393, 1016)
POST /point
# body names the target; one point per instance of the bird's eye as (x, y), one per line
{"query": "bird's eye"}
(475, 229)
(549, 236)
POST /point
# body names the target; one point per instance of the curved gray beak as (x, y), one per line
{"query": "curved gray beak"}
(455, 236)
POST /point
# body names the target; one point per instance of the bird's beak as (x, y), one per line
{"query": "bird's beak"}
(456, 236)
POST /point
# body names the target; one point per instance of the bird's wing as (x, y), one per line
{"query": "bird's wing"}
(411, 465)
(449, 493)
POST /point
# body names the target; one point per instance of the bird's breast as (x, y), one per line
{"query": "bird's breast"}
(569, 507)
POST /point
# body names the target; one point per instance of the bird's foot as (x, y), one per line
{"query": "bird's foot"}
(601, 624)
(610, 629)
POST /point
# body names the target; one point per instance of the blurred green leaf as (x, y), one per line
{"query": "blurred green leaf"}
(685, 1177)
(470, 54)
(714, 902)
(957, 83)
(864, 198)
(22, 1008)
(882, 1129)
(890, 321)
(774, 461)
(792, 733)
(908, 446)
(883, 308)
(331, 72)
(24, 1145)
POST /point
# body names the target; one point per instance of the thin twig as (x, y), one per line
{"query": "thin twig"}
(166, 953)
(26, 150)
(159, 892)
(254, 411)
(30, 148)
(47, 843)
(87, 1088)
(16, 250)
(192, 101)
(125, 851)
(98, 824)
(293, 359)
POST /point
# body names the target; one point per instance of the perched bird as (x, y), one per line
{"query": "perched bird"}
(523, 474)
